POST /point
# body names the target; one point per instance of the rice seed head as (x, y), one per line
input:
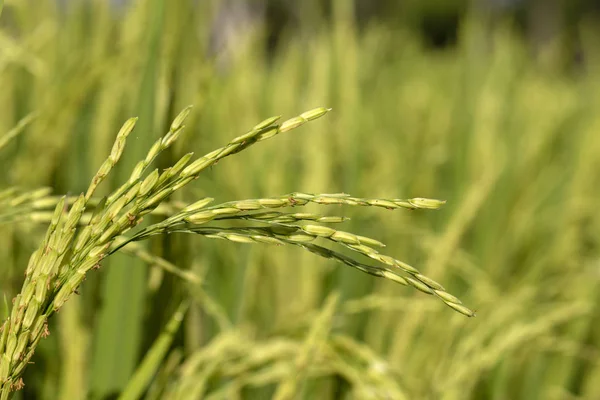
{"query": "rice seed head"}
(181, 183)
(267, 133)
(98, 251)
(64, 242)
(200, 218)
(237, 238)
(429, 282)
(11, 345)
(61, 297)
(111, 199)
(157, 198)
(58, 212)
(229, 149)
(213, 154)
(404, 204)
(332, 220)
(30, 314)
(154, 151)
(393, 277)
(132, 193)
(367, 251)
(87, 265)
(267, 240)
(180, 118)
(22, 342)
(148, 183)
(82, 239)
(266, 215)
(41, 288)
(43, 275)
(109, 233)
(382, 258)
(38, 328)
(315, 113)
(197, 166)
(318, 230)
(114, 210)
(198, 205)
(273, 203)
(247, 205)
(298, 237)
(419, 285)
(17, 312)
(28, 292)
(431, 204)
(225, 211)
(266, 123)
(368, 241)
(305, 216)
(292, 123)
(75, 214)
(180, 165)
(246, 136)
(47, 263)
(406, 267)
(462, 309)
(447, 297)
(303, 196)
(137, 171)
(33, 261)
(119, 145)
(383, 203)
(345, 237)
(4, 368)
(327, 200)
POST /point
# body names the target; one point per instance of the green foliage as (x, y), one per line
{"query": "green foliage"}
(511, 144)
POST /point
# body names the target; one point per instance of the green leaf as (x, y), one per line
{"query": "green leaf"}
(153, 359)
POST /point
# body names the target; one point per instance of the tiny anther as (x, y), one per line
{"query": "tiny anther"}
(18, 385)
(46, 331)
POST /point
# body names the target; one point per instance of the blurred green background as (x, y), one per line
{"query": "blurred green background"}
(491, 105)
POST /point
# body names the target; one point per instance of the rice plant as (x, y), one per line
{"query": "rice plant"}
(508, 138)
(68, 252)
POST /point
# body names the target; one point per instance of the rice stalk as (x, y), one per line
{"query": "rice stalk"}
(151, 362)
(69, 251)
(288, 388)
(21, 125)
(390, 270)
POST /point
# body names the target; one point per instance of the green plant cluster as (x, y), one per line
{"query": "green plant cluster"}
(508, 140)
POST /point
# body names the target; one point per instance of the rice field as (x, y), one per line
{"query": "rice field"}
(511, 143)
